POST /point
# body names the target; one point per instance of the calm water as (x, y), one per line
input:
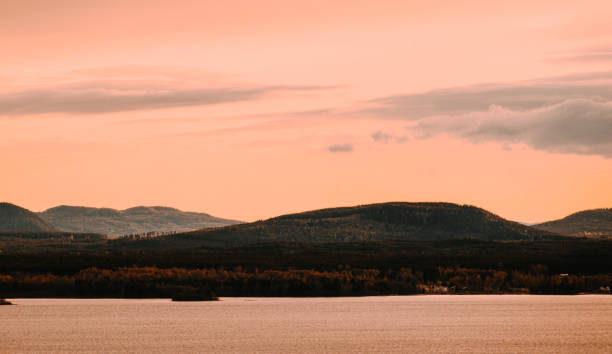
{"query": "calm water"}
(487, 324)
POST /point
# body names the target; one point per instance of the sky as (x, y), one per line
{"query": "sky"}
(252, 109)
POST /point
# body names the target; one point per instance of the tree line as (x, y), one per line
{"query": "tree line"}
(154, 282)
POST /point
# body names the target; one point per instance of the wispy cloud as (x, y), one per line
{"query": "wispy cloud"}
(90, 102)
(117, 96)
(604, 57)
(594, 54)
(518, 97)
(340, 148)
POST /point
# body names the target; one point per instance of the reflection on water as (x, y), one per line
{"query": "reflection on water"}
(479, 323)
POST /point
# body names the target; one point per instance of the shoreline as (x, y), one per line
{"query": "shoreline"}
(221, 298)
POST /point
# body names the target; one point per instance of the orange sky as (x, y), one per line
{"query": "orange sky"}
(247, 110)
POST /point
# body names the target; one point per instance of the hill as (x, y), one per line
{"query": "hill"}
(137, 220)
(589, 223)
(15, 218)
(374, 222)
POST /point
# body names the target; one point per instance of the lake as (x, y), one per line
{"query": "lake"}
(419, 324)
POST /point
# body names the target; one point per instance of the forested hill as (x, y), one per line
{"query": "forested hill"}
(15, 218)
(135, 220)
(386, 221)
(590, 223)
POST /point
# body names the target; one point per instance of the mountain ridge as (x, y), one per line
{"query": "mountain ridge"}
(16, 218)
(589, 223)
(374, 222)
(134, 220)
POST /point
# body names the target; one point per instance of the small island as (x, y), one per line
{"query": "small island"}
(5, 302)
(195, 294)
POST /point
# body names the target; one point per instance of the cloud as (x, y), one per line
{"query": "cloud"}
(382, 137)
(522, 96)
(340, 148)
(106, 97)
(91, 102)
(563, 114)
(587, 57)
(576, 126)
(593, 54)
(576, 78)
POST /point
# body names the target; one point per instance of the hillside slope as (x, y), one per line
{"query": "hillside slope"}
(16, 218)
(136, 220)
(590, 223)
(385, 221)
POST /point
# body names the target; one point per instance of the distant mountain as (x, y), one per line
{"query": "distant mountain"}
(590, 223)
(386, 221)
(134, 220)
(16, 218)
